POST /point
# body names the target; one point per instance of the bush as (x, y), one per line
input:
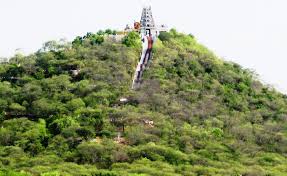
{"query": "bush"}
(132, 40)
(165, 36)
(155, 152)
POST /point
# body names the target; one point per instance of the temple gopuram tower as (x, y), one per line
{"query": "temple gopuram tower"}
(147, 22)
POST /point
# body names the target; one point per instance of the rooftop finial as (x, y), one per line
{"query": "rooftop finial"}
(146, 3)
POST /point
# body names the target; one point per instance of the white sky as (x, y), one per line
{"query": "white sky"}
(252, 33)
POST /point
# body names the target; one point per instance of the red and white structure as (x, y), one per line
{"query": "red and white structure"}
(149, 33)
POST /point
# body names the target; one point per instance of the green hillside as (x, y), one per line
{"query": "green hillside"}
(195, 114)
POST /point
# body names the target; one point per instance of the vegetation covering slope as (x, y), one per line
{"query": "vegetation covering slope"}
(194, 114)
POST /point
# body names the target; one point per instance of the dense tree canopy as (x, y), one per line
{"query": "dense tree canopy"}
(195, 114)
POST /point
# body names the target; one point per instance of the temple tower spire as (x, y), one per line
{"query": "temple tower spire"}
(147, 22)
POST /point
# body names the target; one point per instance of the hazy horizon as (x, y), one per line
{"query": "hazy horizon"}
(252, 33)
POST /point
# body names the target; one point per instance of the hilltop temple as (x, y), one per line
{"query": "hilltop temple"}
(149, 32)
(147, 25)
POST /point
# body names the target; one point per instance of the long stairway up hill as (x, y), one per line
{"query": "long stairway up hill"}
(148, 32)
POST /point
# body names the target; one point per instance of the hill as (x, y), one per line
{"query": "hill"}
(68, 110)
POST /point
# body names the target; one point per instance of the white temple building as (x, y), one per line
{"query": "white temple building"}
(148, 24)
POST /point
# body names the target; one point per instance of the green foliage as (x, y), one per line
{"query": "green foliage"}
(132, 40)
(164, 36)
(12, 173)
(92, 39)
(195, 114)
(24, 133)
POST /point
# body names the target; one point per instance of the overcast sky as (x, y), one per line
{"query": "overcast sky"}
(252, 33)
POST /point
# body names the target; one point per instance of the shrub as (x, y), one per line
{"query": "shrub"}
(132, 40)
(165, 36)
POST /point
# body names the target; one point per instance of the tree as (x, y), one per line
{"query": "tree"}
(24, 133)
(108, 31)
(164, 36)
(97, 39)
(78, 41)
(17, 109)
(91, 117)
(57, 126)
(101, 32)
(45, 107)
(75, 104)
(132, 40)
